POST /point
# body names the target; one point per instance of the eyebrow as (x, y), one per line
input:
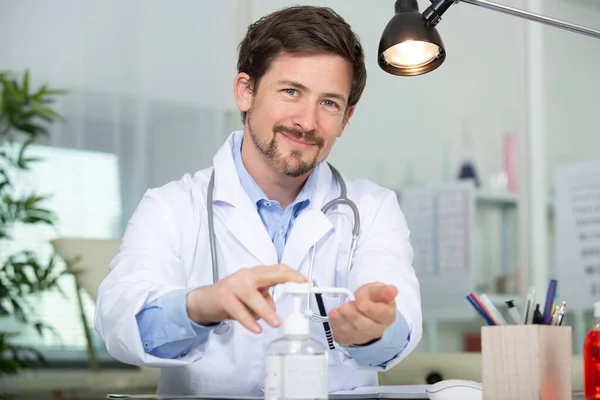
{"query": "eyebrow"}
(299, 86)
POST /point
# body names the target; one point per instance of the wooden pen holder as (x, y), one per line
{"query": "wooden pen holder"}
(526, 362)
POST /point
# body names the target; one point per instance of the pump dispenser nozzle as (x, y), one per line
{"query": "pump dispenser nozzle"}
(306, 288)
(298, 322)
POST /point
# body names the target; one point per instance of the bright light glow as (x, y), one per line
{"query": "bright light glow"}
(411, 53)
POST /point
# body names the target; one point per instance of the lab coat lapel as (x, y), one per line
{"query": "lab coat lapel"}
(242, 220)
(245, 224)
(310, 227)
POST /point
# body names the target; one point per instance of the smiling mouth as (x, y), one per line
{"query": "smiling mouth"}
(300, 142)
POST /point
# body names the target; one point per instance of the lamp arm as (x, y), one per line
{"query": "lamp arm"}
(433, 15)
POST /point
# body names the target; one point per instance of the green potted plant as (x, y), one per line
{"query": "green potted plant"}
(25, 116)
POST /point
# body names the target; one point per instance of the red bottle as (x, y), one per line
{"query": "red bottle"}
(591, 359)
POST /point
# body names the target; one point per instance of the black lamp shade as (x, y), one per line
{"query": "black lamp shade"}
(408, 47)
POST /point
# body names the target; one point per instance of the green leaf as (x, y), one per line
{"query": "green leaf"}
(42, 327)
(26, 83)
(32, 129)
(18, 311)
(32, 201)
(13, 90)
(57, 92)
(30, 160)
(40, 93)
(21, 158)
(32, 219)
(47, 112)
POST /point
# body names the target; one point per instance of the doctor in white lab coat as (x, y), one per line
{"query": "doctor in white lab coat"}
(301, 74)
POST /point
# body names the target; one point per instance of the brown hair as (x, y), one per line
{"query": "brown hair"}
(301, 29)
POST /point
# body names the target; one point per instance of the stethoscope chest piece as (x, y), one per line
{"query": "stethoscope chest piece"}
(222, 328)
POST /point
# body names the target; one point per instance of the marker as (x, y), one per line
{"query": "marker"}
(514, 313)
(537, 315)
(528, 312)
(547, 316)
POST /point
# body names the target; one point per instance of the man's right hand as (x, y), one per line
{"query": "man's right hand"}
(242, 296)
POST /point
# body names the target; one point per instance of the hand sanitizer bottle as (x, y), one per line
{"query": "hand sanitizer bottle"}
(296, 365)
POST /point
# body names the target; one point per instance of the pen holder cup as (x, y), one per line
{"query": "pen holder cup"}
(526, 362)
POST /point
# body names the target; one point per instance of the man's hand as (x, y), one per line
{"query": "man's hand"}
(365, 319)
(242, 296)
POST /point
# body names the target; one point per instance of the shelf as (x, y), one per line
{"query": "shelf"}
(498, 199)
(504, 199)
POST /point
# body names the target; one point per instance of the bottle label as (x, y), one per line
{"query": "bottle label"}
(296, 377)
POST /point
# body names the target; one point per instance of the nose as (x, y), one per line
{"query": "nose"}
(306, 116)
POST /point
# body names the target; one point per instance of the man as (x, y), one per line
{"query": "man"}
(301, 74)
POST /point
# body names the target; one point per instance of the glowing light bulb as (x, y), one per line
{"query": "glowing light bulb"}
(411, 53)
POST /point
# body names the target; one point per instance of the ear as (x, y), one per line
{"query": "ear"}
(242, 89)
(347, 117)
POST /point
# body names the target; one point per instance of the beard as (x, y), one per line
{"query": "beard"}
(293, 165)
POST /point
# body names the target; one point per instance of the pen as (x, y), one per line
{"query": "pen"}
(480, 310)
(483, 308)
(528, 311)
(562, 313)
(323, 313)
(558, 314)
(547, 316)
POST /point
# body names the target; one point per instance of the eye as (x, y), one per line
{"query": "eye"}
(291, 92)
(330, 103)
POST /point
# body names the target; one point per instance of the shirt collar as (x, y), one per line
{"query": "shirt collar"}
(254, 191)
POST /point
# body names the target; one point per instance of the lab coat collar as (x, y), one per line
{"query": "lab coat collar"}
(244, 221)
(227, 189)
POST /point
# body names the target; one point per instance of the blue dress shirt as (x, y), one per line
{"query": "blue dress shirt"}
(166, 330)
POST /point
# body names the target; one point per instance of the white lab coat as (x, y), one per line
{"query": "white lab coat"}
(166, 247)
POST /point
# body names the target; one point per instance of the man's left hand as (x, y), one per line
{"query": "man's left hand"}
(364, 320)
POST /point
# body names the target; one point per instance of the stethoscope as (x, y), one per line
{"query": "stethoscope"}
(224, 326)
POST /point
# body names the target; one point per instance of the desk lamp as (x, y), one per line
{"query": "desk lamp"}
(410, 45)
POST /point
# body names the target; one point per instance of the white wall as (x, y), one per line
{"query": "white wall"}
(572, 85)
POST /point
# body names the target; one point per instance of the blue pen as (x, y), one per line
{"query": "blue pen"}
(549, 301)
(480, 311)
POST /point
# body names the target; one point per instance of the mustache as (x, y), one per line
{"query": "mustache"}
(308, 136)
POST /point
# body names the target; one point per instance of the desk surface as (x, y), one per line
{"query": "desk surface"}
(331, 397)
(576, 396)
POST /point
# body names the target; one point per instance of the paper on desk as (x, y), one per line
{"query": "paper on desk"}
(391, 391)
